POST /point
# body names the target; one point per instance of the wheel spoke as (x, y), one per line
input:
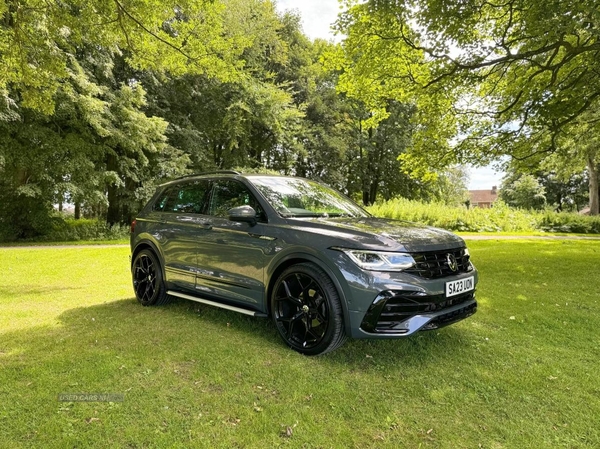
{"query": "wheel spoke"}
(138, 288)
(306, 290)
(149, 289)
(144, 278)
(299, 282)
(293, 322)
(308, 331)
(302, 310)
(289, 296)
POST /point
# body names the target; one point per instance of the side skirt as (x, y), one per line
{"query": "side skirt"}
(217, 304)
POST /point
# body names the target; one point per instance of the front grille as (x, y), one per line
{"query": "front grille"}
(431, 265)
(401, 308)
(390, 309)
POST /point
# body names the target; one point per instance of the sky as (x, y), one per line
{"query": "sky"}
(317, 17)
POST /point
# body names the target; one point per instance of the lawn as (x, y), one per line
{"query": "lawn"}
(521, 373)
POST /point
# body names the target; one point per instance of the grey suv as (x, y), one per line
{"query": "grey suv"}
(295, 250)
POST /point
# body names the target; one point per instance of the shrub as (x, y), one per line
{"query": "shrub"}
(69, 229)
(496, 219)
(569, 222)
(61, 229)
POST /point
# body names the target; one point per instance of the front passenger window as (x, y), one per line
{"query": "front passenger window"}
(229, 194)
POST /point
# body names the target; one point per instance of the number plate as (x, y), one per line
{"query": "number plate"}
(461, 286)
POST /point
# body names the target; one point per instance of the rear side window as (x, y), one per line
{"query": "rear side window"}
(188, 198)
(228, 194)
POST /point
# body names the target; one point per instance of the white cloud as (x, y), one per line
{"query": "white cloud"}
(317, 15)
(483, 178)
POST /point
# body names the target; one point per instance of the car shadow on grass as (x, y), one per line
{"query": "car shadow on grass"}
(184, 360)
(184, 320)
(123, 333)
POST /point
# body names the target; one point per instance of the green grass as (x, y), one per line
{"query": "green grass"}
(521, 373)
(67, 242)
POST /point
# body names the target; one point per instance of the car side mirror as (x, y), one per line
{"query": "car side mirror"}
(244, 214)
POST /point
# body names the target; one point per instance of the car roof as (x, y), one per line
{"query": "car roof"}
(225, 174)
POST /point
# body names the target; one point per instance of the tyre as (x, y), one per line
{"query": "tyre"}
(307, 310)
(148, 282)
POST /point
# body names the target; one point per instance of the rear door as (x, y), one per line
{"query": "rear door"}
(231, 255)
(181, 225)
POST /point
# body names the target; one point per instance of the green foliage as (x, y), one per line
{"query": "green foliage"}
(569, 222)
(69, 229)
(500, 218)
(44, 227)
(561, 188)
(38, 39)
(523, 191)
(376, 67)
(450, 186)
(516, 78)
(99, 150)
(523, 68)
(22, 214)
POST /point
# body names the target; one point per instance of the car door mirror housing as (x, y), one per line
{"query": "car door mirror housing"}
(245, 214)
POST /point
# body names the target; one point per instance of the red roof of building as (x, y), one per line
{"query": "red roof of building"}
(483, 196)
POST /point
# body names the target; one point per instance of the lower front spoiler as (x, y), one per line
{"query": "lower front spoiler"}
(423, 321)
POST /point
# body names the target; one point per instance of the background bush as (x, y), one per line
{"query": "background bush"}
(496, 219)
(63, 229)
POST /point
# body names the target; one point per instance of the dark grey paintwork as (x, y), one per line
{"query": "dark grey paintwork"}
(237, 262)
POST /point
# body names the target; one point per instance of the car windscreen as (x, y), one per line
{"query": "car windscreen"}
(296, 198)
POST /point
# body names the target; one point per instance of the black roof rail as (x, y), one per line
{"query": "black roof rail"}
(214, 172)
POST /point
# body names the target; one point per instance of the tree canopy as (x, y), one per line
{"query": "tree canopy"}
(38, 39)
(102, 100)
(523, 73)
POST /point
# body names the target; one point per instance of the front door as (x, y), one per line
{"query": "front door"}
(231, 255)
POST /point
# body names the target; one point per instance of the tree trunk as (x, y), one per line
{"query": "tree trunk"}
(77, 210)
(113, 215)
(594, 187)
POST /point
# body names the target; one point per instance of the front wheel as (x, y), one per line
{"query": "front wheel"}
(307, 310)
(148, 282)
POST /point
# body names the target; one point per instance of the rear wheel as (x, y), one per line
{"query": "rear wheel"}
(307, 310)
(148, 282)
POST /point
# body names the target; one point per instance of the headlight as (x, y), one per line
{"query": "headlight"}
(379, 260)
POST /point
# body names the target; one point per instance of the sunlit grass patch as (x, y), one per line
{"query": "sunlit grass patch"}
(522, 372)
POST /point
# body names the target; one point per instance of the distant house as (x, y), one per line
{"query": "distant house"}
(483, 198)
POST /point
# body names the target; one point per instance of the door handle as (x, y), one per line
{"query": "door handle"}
(205, 224)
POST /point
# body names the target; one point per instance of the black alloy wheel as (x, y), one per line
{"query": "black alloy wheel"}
(307, 311)
(148, 280)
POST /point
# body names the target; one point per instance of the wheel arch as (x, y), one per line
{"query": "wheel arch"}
(148, 244)
(298, 258)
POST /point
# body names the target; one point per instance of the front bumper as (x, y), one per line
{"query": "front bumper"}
(399, 314)
(382, 305)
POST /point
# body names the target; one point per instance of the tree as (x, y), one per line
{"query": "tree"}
(250, 121)
(565, 193)
(376, 69)
(525, 71)
(98, 150)
(38, 39)
(523, 191)
(450, 187)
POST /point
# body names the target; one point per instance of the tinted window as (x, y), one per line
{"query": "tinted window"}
(229, 194)
(296, 197)
(189, 198)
